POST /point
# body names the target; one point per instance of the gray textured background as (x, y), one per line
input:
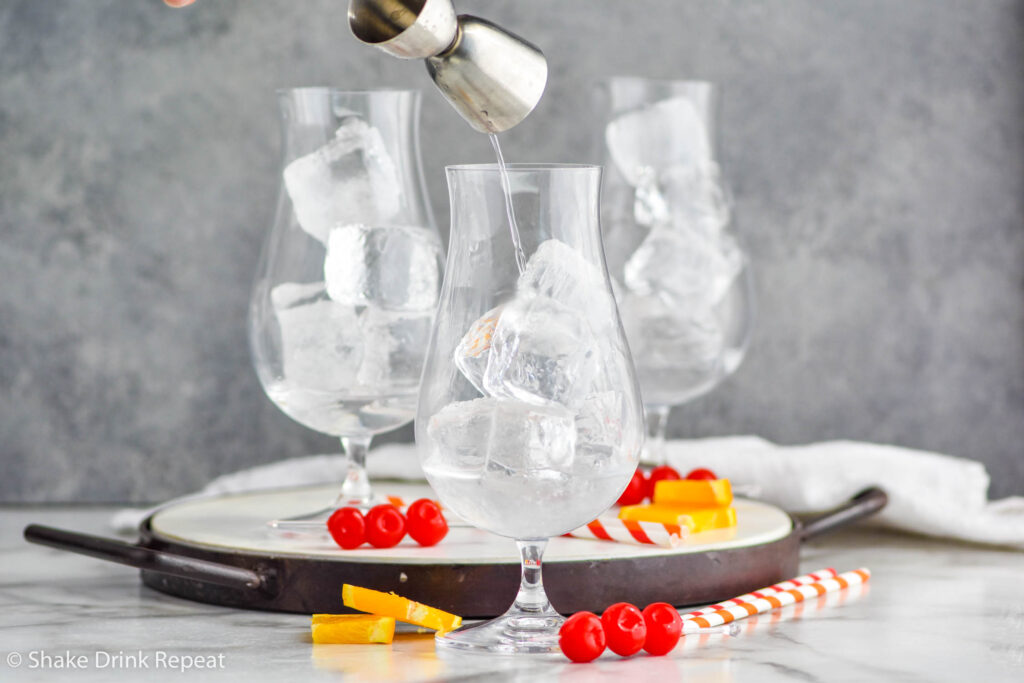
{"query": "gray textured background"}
(875, 147)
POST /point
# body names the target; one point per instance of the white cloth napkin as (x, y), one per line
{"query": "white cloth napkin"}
(930, 494)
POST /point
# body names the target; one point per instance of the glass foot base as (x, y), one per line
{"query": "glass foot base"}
(317, 521)
(510, 634)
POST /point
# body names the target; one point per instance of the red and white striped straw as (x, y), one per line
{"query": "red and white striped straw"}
(632, 532)
(820, 575)
(771, 601)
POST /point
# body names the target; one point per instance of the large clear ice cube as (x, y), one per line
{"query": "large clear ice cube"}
(600, 417)
(656, 137)
(395, 345)
(558, 271)
(542, 347)
(351, 179)
(696, 198)
(500, 436)
(322, 346)
(474, 348)
(692, 268)
(288, 294)
(650, 205)
(622, 236)
(542, 351)
(397, 268)
(670, 341)
(561, 273)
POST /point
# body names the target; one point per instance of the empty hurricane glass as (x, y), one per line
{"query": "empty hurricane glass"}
(682, 278)
(348, 280)
(529, 421)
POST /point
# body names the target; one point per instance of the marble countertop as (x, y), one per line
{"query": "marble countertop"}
(933, 611)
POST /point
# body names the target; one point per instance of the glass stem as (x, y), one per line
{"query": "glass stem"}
(356, 489)
(531, 599)
(657, 421)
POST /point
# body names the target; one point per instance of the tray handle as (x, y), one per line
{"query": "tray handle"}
(150, 560)
(864, 504)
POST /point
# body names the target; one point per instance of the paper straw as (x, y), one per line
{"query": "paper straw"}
(771, 601)
(820, 575)
(632, 532)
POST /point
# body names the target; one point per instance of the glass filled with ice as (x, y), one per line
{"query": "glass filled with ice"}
(681, 278)
(529, 421)
(349, 277)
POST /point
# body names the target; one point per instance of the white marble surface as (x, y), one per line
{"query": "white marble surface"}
(933, 612)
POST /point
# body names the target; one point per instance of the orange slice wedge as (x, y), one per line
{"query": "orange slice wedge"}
(352, 628)
(397, 607)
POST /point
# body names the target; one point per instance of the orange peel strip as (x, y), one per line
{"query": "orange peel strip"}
(700, 493)
(352, 628)
(397, 607)
(695, 519)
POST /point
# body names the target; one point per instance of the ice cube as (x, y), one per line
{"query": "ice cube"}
(600, 418)
(475, 347)
(622, 236)
(351, 179)
(395, 345)
(500, 436)
(696, 197)
(543, 363)
(607, 433)
(288, 294)
(658, 136)
(560, 272)
(397, 268)
(672, 344)
(542, 351)
(321, 342)
(688, 266)
(589, 459)
(650, 207)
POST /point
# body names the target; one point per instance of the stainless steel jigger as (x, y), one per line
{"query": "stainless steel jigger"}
(492, 77)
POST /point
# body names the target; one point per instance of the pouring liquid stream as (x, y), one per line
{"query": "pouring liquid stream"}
(506, 187)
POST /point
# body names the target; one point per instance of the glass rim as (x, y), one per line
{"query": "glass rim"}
(523, 167)
(332, 90)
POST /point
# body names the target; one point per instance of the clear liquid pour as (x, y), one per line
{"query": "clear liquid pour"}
(510, 212)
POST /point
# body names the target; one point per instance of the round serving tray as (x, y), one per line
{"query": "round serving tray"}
(220, 550)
